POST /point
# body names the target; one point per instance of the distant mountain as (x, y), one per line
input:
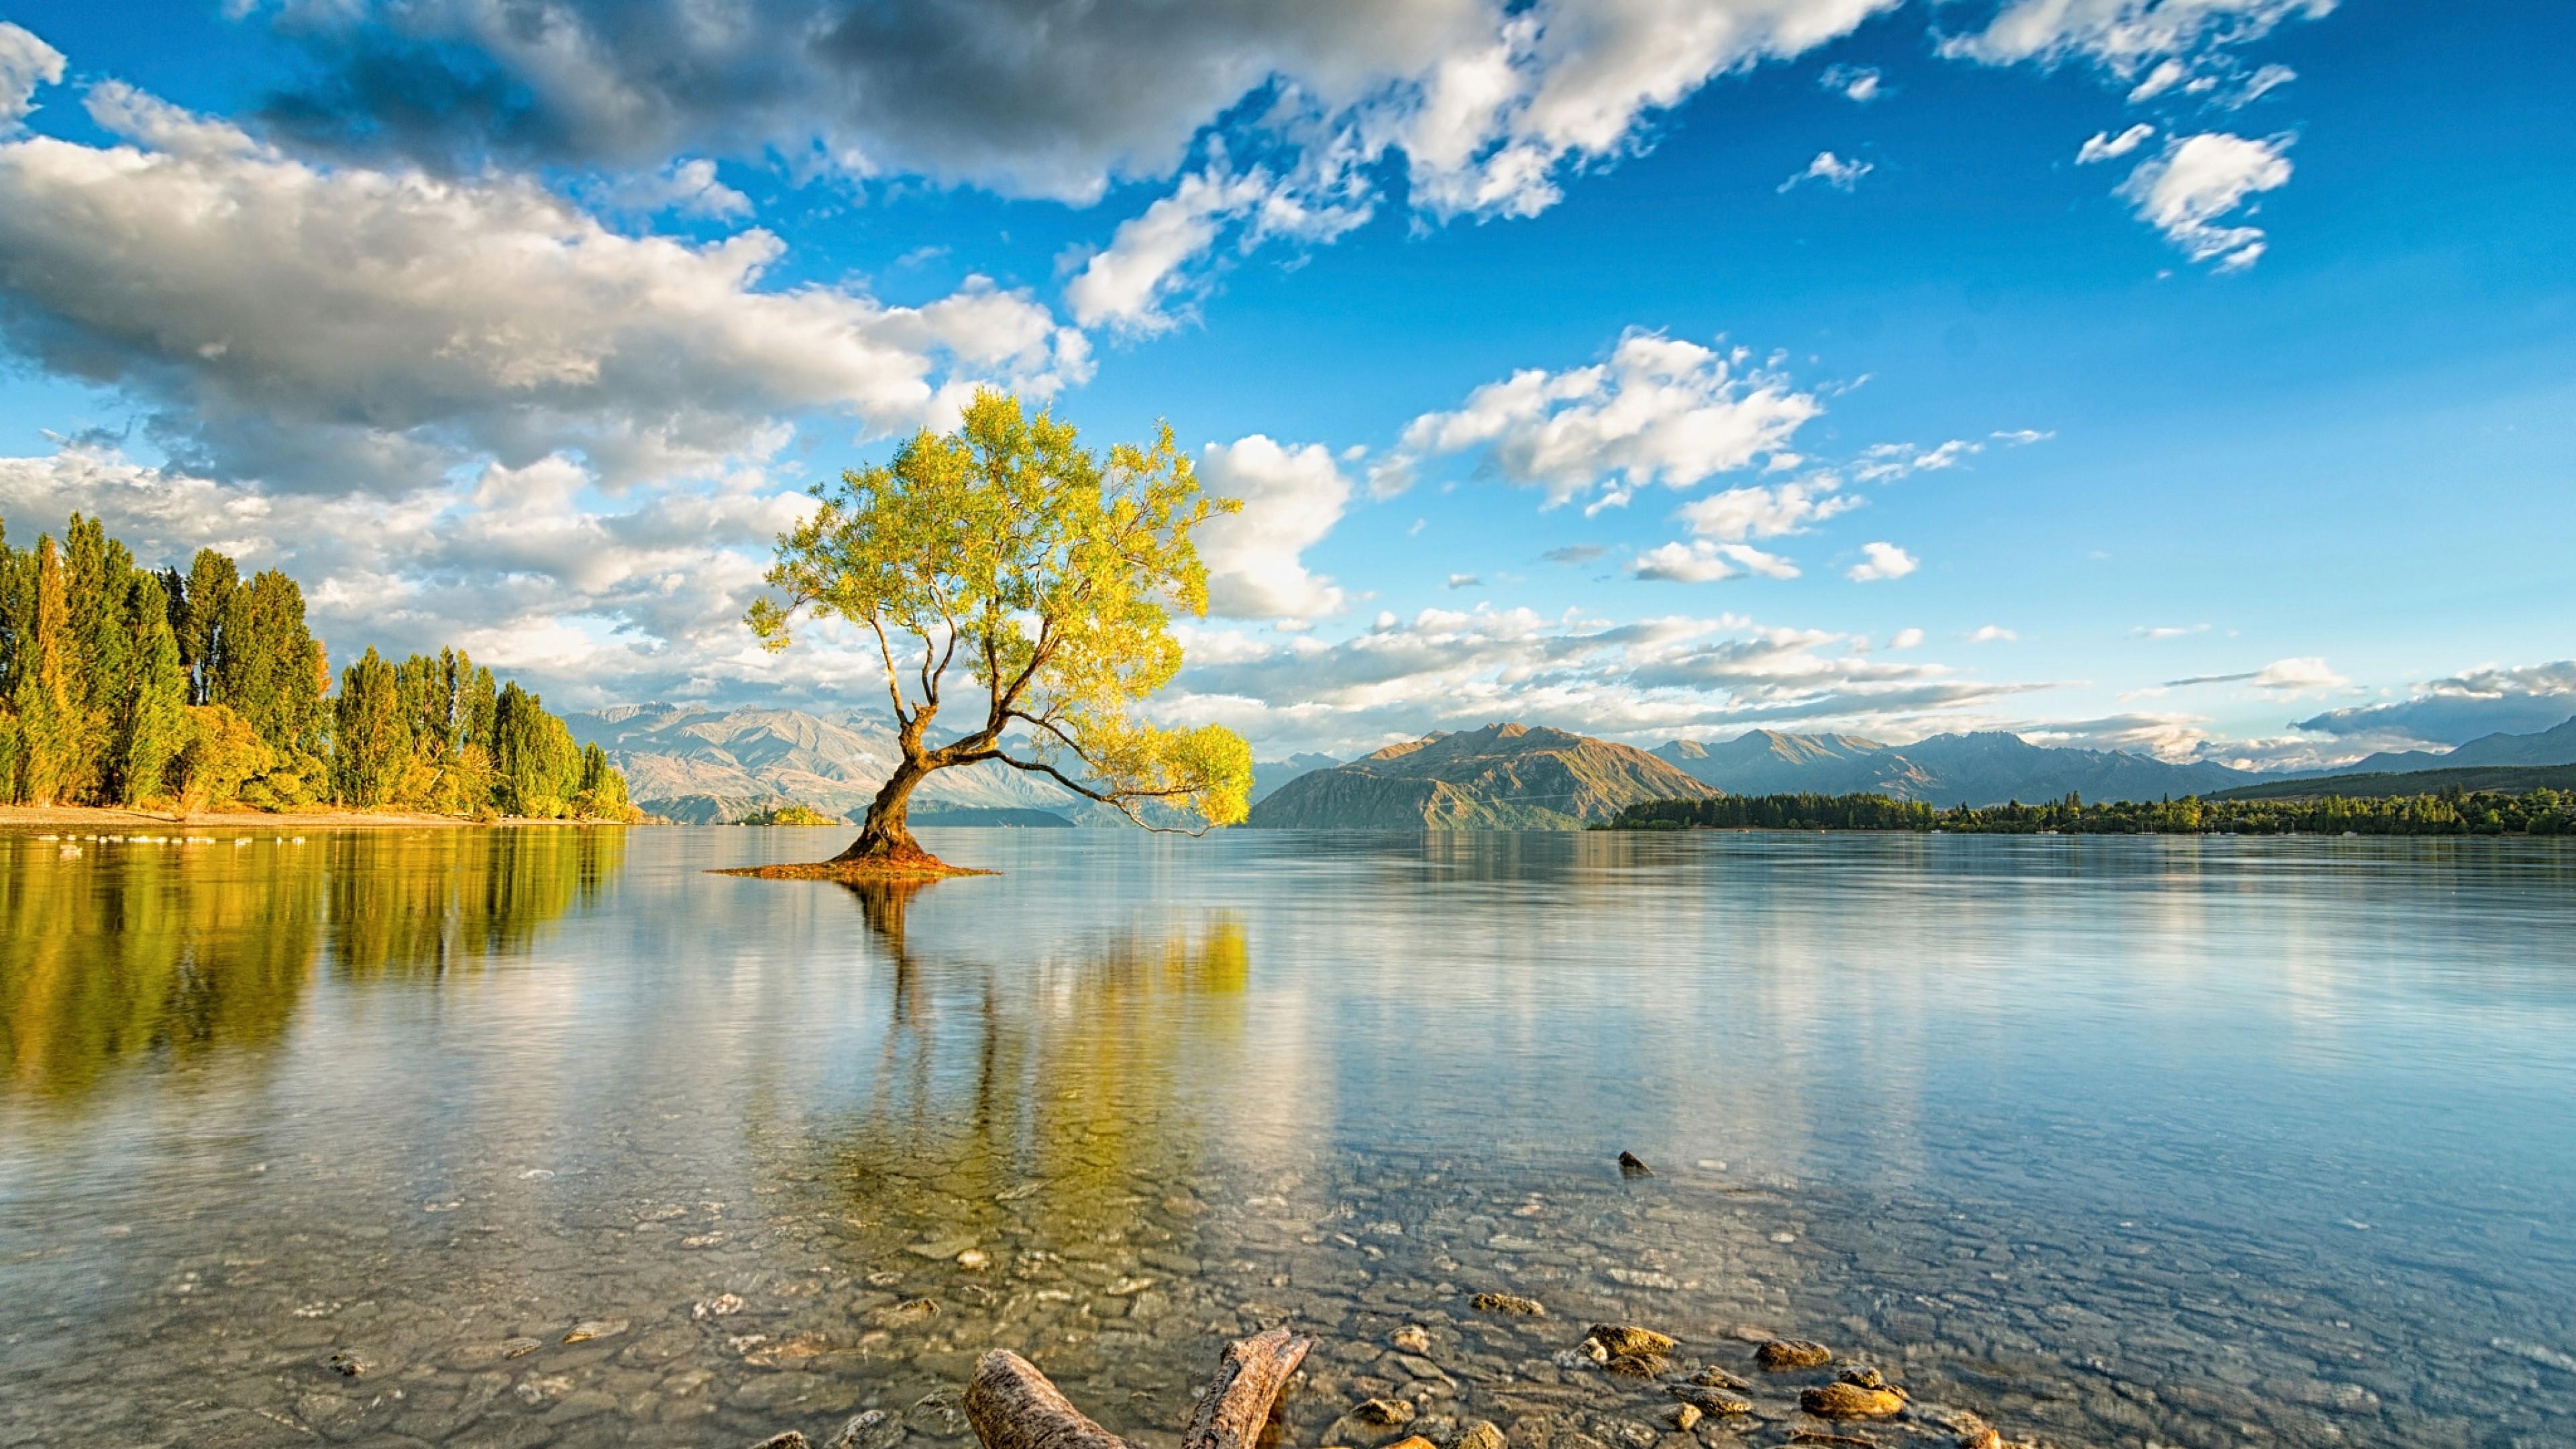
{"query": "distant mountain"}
(689, 763)
(1268, 776)
(1983, 768)
(1505, 777)
(2503, 779)
(2549, 747)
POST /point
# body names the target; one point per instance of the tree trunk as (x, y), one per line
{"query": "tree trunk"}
(1012, 1406)
(886, 836)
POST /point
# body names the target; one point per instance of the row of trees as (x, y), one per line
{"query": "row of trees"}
(120, 685)
(2451, 812)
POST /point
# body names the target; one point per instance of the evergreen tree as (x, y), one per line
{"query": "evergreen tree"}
(371, 737)
(538, 764)
(152, 725)
(40, 688)
(212, 581)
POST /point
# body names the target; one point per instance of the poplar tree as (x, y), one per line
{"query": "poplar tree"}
(152, 726)
(540, 768)
(40, 688)
(371, 739)
(212, 580)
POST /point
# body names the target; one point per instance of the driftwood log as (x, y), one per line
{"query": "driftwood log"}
(1012, 1406)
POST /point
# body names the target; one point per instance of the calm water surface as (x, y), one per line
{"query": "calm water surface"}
(2117, 1142)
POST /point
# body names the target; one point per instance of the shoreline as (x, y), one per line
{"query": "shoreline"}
(104, 817)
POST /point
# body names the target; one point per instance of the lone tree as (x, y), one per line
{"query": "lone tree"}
(1007, 551)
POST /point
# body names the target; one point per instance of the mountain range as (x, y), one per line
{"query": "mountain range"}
(1987, 767)
(701, 765)
(1502, 777)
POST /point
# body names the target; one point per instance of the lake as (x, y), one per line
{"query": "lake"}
(2111, 1141)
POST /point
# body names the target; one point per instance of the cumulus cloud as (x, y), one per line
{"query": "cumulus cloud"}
(1905, 639)
(2167, 631)
(1767, 512)
(1832, 170)
(1447, 669)
(1992, 634)
(344, 327)
(25, 64)
(2106, 147)
(1658, 411)
(2196, 181)
(1701, 562)
(687, 187)
(1861, 83)
(2519, 699)
(1881, 561)
(1464, 581)
(1292, 497)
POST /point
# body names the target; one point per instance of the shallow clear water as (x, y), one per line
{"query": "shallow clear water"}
(2188, 1142)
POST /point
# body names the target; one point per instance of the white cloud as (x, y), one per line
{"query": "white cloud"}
(1464, 581)
(688, 187)
(1701, 562)
(1659, 410)
(25, 63)
(2261, 83)
(1292, 497)
(1832, 170)
(2023, 437)
(1767, 512)
(1881, 561)
(2516, 699)
(1887, 462)
(1447, 669)
(2297, 676)
(1992, 634)
(339, 328)
(2106, 147)
(2168, 631)
(2122, 36)
(1855, 82)
(1126, 283)
(2198, 180)
(1905, 639)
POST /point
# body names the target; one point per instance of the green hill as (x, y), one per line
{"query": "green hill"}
(2501, 779)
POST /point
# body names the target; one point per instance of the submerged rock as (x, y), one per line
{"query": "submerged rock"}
(875, 1429)
(1710, 1375)
(1783, 1354)
(1482, 1434)
(1412, 1339)
(595, 1328)
(1627, 1339)
(1631, 1166)
(1386, 1413)
(1685, 1417)
(1710, 1400)
(789, 1440)
(1507, 1303)
(1858, 1394)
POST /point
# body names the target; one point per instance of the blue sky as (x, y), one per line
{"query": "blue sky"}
(1850, 395)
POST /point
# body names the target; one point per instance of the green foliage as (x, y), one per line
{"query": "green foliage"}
(152, 718)
(788, 815)
(540, 768)
(1049, 576)
(371, 736)
(122, 686)
(2536, 812)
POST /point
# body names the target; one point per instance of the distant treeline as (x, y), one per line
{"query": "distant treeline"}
(2536, 812)
(120, 685)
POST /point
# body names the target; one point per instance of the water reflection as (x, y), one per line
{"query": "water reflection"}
(136, 950)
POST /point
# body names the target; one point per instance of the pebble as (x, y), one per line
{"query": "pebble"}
(1781, 1355)
(1507, 1303)
(595, 1328)
(1386, 1412)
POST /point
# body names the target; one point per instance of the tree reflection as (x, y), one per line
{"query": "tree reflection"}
(135, 950)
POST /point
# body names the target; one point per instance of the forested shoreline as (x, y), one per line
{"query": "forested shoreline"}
(2454, 812)
(122, 685)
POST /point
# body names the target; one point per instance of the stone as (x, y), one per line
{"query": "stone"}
(1412, 1441)
(874, 1429)
(1631, 1166)
(905, 1314)
(789, 1440)
(939, 1248)
(1981, 1439)
(1387, 1413)
(1783, 1354)
(349, 1363)
(1628, 1339)
(1711, 1400)
(1507, 1303)
(1412, 1339)
(1711, 1376)
(595, 1328)
(723, 1305)
(1840, 1400)
(1635, 1365)
(974, 1260)
(1482, 1434)
(1685, 1417)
